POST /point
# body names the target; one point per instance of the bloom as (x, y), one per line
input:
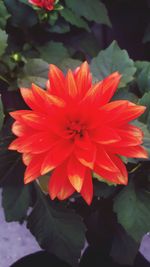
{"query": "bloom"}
(47, 4)
(73, 130)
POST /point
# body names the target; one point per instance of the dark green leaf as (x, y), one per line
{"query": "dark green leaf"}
(146, 139)
(74, 19)
(35, 71)
(145, 101)
(3, 42)
(22, 15)
(58, 230)
(143, 79)
(132, 208)
(16, 195)
(69, 63)
(53, 52)
(124, 248)
(91, 10)
(113, 59)
(3, 15)
(125, 94)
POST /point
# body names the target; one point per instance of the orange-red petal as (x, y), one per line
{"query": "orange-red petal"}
(87, 188)
(57, 155)
(105, 161)
(86, 156)
(57, 81)
(59, 185)
(32, 171)
(76, 173)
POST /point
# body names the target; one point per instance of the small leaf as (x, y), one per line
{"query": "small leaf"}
(53, 52)
(132, 208)
(113, 59)
(91, 10)
(3, 42)
(58, 230)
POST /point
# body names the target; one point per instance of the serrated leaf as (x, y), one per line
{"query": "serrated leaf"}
(132, 208)
(58, 230)
(74, 19)
(146, 139)
(113, 59)
(91, 10)
(124, 248)
(35, 71)
(145, 101)
(3, 15)
(140, 65)
(125, 94)
(3, 42)
(69, 63)
(53, 52)
(28, 80)
(143, 79)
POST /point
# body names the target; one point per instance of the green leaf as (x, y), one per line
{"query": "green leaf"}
(23, 16)
(132, 208)
(34, 71)
(125, 94)
(140, 65)
(16, 196)
(58, 230)
(124, 248)
(69, 63)
(74, 19)
(91, 10)
(146, 139)
(113, 59)
(145, 101)
(3, 42)
(3, 15)
(53, 52)
(15, 200)
(143, 79)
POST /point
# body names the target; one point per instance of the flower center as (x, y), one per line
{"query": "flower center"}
(75, 128)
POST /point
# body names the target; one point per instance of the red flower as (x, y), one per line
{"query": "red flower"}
(72, 129)
(47, 4)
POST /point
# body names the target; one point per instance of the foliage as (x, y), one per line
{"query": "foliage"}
(30, 40)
